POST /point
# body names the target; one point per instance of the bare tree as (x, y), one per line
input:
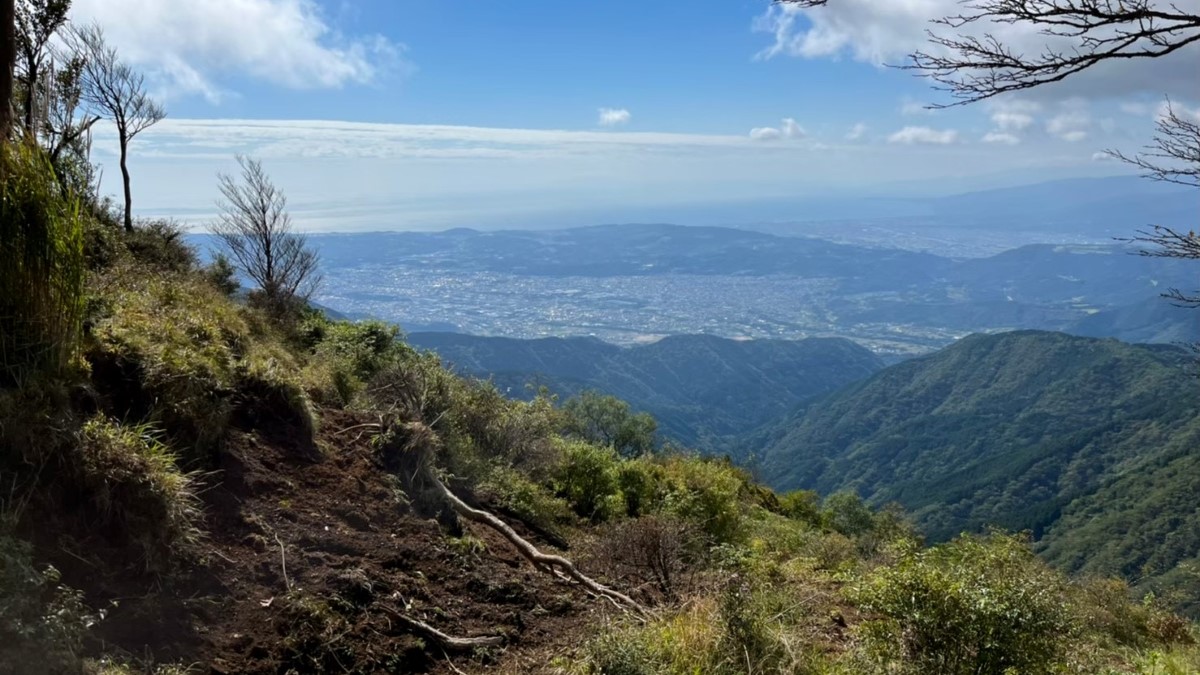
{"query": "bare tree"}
(8, 57)
(117, 91)
(37, 22)
(256, 230)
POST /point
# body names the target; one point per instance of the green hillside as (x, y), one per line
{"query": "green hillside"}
(1090, 444)
(701, 388)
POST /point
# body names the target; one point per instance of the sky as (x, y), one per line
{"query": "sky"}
(427, 114)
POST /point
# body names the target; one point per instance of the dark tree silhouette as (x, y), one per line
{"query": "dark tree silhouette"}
(37, 22)
(8, 57)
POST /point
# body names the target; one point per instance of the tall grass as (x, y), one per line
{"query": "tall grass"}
(41, 266)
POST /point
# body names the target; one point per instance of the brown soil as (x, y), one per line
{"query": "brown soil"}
(351, 546)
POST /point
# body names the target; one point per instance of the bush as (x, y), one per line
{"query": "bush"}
(160, 245)
(42, 622)
(587, 479)
(706, 493)
(977, 605)
(134, 493)
(638, 481)
(222, 275)
(802, 505)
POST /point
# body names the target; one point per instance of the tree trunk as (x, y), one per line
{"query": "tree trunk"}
(125, 179)
(8, 57)
(31, 100)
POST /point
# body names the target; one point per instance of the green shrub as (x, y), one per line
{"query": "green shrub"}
(802, 505)
(160, 245)
(529, 501)
(638, 481)
(705, 492)
(587, 479)
(134, 492)
(222, 275)
(976, 605)
(42, 622)
(347, 354)
(42, 267)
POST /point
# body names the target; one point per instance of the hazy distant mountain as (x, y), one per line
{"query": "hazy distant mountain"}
(1094, 445)
(1152, 320)
(699, 387)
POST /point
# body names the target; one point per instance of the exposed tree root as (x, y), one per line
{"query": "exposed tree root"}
(446, 642)
(422, 440)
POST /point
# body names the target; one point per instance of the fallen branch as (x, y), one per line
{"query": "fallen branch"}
(283, 562)
(447, 642)
(422, 440)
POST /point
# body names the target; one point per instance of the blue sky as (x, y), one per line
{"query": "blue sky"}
(391, 114)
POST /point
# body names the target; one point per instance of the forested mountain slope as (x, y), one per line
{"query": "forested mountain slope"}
(699, 387)
(1090, 444)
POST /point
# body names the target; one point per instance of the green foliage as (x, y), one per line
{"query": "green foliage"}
(1089, 444)
(347, 354)
(160, 245)
(707, 493)
(976, 605)
(701, 389)
(42, 622)
(801, 505)
(42, 267)
(607, 420)
(846, 513)
(222, 274)
(587, 479)
(135, 492)
(166, 348)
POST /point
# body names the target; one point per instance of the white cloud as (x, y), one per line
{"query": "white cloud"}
(1001, 137)
(766, 134)
(1012, 121)
(1072, 125)
(856, 132)
(188, 47)
(789, 129)
(614, 117)
(1102, 157)
(912, 108)
(793, 130)
(878, 32)
(352, 175)
(314, 138)
(924, 136)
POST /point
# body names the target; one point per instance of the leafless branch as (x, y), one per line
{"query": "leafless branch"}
(1174, 156)
(973, 68)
